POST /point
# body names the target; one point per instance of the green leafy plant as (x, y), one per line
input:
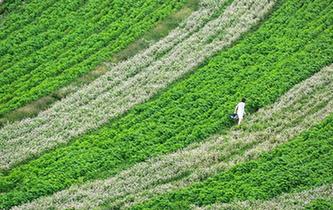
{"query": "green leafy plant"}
(320, 204)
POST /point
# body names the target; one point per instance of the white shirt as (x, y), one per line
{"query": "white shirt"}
(240, 109)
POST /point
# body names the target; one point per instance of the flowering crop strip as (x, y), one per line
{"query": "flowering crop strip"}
(299, 200)
(300, 164)
(263, 131)
(191, 109)
(129, 83)
(68, 41)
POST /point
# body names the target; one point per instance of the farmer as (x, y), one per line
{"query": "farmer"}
(240, 110)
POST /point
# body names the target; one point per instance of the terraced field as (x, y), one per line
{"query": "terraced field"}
(154, 131)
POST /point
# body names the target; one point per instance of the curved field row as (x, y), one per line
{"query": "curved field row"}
(191, 109)
(47, 52)
(296, 201)
(262, 132)
(129, 83)
(300, 164)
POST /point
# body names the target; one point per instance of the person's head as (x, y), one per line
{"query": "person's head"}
(244, 100)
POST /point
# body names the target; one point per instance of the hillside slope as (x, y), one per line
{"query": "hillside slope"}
(192, 109)
(263, 131)
(154, 132)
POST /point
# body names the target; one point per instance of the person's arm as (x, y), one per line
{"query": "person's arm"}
(236, 109)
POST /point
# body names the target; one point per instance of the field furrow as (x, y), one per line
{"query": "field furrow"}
(262, 132)
(131, 82)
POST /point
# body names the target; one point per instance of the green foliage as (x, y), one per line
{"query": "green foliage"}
(320, 204)
(297, 165)
(283, 51)
(61, 40)
(7, 6)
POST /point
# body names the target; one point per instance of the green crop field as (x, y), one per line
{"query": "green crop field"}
(58, 41)
(153, 131)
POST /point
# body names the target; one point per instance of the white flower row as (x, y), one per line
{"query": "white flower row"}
(130, 82)
(261, 132)
(294, 201)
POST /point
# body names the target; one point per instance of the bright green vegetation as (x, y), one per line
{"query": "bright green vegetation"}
(60, 40)
(320, 204)
(295, 42)
(8, 6)
(300, 164)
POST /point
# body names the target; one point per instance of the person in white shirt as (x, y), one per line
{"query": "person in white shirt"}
(240, 110)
